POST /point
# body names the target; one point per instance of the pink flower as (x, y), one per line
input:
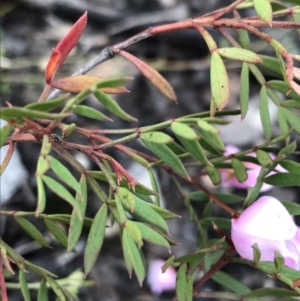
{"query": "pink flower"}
(158, 281)
(267, 223)
(253, 170)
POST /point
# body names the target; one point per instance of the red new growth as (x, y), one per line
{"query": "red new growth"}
(64, 47)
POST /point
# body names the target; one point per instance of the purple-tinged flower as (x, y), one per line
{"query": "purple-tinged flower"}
(267, 223)
(158, 281)
(229, 179)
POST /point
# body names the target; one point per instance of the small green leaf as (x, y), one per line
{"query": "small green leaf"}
(288, 149)
(46, 146)
(57, 232)
(263, 158)
(181, 283)
(166, 155)
(76, 223)
(272, 291)
(32, 230)
(46, 106)
(184, 131)
(293, 119)
(240, 170)
(156, 137)
(240, 54)
(283, 180)
(292, 208)
(230, 283)
(291, 166)
(64, 174)
(14, 112)
(294, 104)
(41, 201)
(256, 253)
(90, 113)
(264, 113)
(279, 262)
(111, 105)
(132, 256)
(244, 90)
(271, 64)
(4, 133)
(43, 165)
(164, 213)
(283, 87)
(151, 235)
(264, 10)
(61, 191)
(43, 291)
(111, 82)
(210, 134)
(135, 232)
(24, 286)
(219, 81)
(244, 39)
(283, 124)
(213, 174)
(95, 239)
(56, 288)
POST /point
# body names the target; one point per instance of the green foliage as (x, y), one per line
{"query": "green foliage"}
(188, 148)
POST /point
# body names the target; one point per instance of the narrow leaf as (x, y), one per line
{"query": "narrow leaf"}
(157, 137)
(43, 291)
(24, 286)
(244, 90)
(264, 10)
(292, 208)
(134, 232)
(46, 106)
(95, 239)
(293, 119)
(181, 282)
(263, 158)
(213, 174)
(57, 232)
(32, 230)
(41, 201)
(76, 223)
(60, 190)
(283, 180)
(56, 288)
(90, 113)
(166, 155)
(294, 104)
(288, 149)
(239, 170)
(219, 81)
(264, 113)
(291, 166)
(184, 131)
(240, 54)
(152, 75)
(283, 87)
(111, 105)
(78, 83)
(271, 64)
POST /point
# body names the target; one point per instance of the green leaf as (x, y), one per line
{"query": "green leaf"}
(61, 191)
(201, 196)
(278, 261)
(271, 64)
(244, 39)
(288, 149)
(210, 134)
(283, 87)
(56, 288)
(43, 291)
(57, 232)
(219, 81)
(221, 222)
(283, 124)
(240, 170)
(76, 223)
(95, 239)
(141, 210)
(4, 133)
(111, 82)
(41, 201)
(283, 180)
(16, 112)
(184, 131)
(231, 283)
(90, 113)
(244, 90)
(166, 155)
(64, 174)
(164, 213)
(152, 236)
(135, 232)
(213, 174)
(272, 291)
(293, 119)
(156, 137)
(32, 230)
(294, 104)
(291, 166)
(240, 54)
(46, 106)
(111, 105)
(292, 208)
(263, 158)
(264, 113)
(264, 10)
(181, 283)
(132, 256)
(24, 286)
